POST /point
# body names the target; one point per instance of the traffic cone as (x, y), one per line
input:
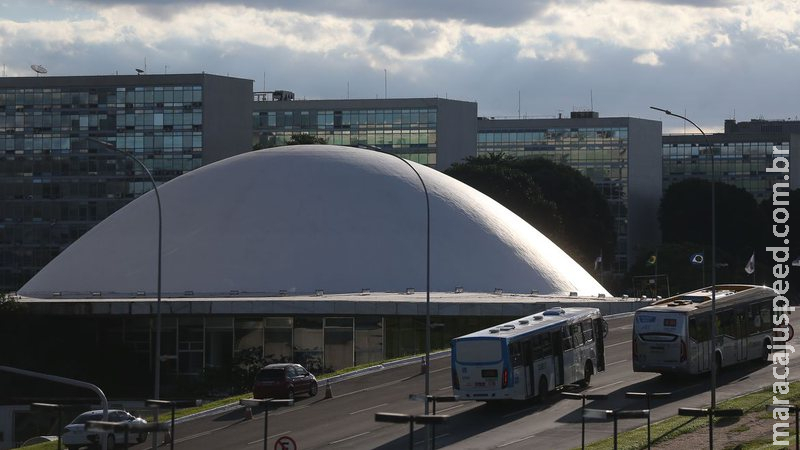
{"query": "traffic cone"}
(248, 413)
(328, 392)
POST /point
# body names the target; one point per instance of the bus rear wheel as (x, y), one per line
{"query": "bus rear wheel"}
(543, 390)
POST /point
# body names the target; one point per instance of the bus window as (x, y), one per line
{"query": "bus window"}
(766, 316)
(577, 335)
(588, 334)
(700, 328)
(515, 352)
(566, 339)
(726, 323)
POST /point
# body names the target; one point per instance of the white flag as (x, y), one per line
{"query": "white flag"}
(598, 261)
(751, 265)
(796, 261)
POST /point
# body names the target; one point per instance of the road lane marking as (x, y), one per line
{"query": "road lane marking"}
(616, 362)
(517, 441)
(608, 385)
(350, 437)
(440, 370)
(618, 343)
(197, 435)
(445, 388)
(451, 408)
(367, 409)
(283, 433)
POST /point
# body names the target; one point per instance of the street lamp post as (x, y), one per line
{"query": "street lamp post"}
(427, 279)
(157, 381)
(713, 362)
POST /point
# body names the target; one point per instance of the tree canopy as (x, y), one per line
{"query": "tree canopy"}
(557, 200)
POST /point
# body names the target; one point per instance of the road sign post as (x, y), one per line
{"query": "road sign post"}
(583, 398)
(648, 396)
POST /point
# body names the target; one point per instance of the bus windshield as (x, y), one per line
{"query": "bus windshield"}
(660, 325)
(476, 351)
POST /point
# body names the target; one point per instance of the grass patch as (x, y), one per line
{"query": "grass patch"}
(675, 426)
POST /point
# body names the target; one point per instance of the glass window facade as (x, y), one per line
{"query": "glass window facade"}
(742, 164)
(55, 184)
(407, 132)
(600, 153)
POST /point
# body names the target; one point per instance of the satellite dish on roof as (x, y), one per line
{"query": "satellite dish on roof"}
(38, 69)
(139, 71)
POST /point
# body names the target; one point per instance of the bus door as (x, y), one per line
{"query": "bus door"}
(600, 330)
(558, 358)
(700, 341)
(527, 361)
(740, 334)
(569, 354)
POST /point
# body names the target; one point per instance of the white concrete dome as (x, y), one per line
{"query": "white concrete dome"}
(303, 218)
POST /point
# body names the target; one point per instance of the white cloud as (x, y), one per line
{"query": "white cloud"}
(648, 59)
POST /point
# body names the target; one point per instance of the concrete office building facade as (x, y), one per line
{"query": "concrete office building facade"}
(621, 155)
(55, 184)
(436, 132)
(741, 155)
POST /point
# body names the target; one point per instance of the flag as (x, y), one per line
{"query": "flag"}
(696, 259)
(751, 264)
(598, 261)
(796, 261)
(651, 261)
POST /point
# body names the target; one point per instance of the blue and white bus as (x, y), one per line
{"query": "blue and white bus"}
(529, 357)
(673, 335)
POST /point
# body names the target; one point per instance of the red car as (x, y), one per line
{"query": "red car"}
(284, 381)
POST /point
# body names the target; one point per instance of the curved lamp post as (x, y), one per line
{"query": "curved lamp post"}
(713, 362)
(427, 279)
(157, 381)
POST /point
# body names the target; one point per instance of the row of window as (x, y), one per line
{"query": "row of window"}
(737, 323)
(612, 135)
(357, 119)
(99, 97)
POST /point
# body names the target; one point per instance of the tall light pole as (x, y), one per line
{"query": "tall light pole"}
(713, 362)
(427, 281)
(157, 381)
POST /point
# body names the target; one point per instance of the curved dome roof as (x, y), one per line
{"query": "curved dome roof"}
(303, 218)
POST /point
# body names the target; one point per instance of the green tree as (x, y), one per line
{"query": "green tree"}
(685, 217)
(305, 139)
(588, 223)
(557, 200)
(495, 176)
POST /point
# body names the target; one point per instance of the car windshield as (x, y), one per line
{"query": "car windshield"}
(270, 375)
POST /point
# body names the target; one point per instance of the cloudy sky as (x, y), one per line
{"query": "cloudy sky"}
(712, 59)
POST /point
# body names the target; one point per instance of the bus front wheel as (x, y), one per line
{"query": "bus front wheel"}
(766, 358)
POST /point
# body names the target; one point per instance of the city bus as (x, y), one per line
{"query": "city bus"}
(529, 357)
(673, 335)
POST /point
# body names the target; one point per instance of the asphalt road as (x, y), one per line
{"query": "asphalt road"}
(347, 420)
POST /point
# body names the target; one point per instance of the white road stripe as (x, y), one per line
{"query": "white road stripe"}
(450, 408)
(348, 438)
(269, 437)
(617, 362)
(608, 385)
(618, 343)
(367, 409)
(517, 441)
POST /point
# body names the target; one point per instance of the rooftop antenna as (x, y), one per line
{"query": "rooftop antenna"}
(165, 69)
(385, 85)
(591, 100)
(519, 104)
(348, 90)
(36, 68)
(145, 64)
(265, 81)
